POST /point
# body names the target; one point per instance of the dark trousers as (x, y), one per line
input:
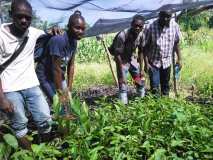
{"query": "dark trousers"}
(159, 77)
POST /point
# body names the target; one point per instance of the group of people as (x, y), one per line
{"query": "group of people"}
(155, 43)
(22, 86)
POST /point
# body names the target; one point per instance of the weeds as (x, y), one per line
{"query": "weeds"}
(146, 129)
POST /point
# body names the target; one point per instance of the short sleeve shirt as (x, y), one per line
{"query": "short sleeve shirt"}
(61, 47)
(160, 43)
(125, 46)
(20, 74)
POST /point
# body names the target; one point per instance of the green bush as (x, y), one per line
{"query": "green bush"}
(189, 22)
(145, 129)
(210, 22)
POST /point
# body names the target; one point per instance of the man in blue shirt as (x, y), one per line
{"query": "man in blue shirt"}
(55, 71)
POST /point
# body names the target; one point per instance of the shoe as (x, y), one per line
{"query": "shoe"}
(141, 92)
(123, 97)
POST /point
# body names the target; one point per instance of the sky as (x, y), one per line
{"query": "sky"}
(92, 16)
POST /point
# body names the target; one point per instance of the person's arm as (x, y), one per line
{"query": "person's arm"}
(178, 53)
(119, 49)
(146, 47)
(148, 66)
(141, 59)
(63, 95)
(70, 72)
(57, 72)
(119, 64)
(55, 30)
(5, 105)
(177, 46)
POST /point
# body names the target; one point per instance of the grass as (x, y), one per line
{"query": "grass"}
(92, 74)
(149, 128)
(197, 70)
(197, 49)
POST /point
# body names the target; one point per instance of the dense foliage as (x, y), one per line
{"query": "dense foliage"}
(145, 129)
(150, 128)
(194, 22)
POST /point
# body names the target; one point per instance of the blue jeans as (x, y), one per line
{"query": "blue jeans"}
(49, 89)
(34, 100)
(134, 71)
(159, 77)
(47, 82)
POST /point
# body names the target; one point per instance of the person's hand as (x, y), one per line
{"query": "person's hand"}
(63, 99)
(55, 30)
(147, 67)
(63, 96)
(6, 106)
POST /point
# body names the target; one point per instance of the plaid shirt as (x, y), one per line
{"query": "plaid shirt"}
(125, 45)
(160, 42)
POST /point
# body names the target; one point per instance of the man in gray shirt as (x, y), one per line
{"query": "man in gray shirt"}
(125, 44)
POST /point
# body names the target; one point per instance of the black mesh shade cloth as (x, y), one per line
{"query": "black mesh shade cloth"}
(148, 8)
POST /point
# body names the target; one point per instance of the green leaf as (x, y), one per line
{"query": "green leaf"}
(147, 145)
(2, 150)
(208, 150)
(38, 148)
(94, 152)
(11, 140)
(23, 155)
(159, 154)
(176, 143)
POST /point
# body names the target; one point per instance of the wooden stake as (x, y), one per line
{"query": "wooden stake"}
(174, 79)
(109, 60)
(173, 66)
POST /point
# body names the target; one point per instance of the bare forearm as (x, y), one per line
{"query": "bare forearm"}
(70, 76)
(118, 60)
(57, 74)
(146, 61)
(145, 55)
(178, 52)
(58, 80)
(141, 58)
(5, 105)
(119, 64)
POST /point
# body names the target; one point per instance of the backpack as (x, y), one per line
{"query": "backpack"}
(111, 47)
(40, 47)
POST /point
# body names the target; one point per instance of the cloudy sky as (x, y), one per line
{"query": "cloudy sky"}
(92, 16)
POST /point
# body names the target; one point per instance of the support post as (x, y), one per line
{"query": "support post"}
(174, 79)
(109, 59)
(173, 68)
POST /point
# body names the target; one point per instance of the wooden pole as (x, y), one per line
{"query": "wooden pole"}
(109, 60)
(173, 68)
(174, 79)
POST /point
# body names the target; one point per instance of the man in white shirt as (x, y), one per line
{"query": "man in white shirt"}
(19, 86)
